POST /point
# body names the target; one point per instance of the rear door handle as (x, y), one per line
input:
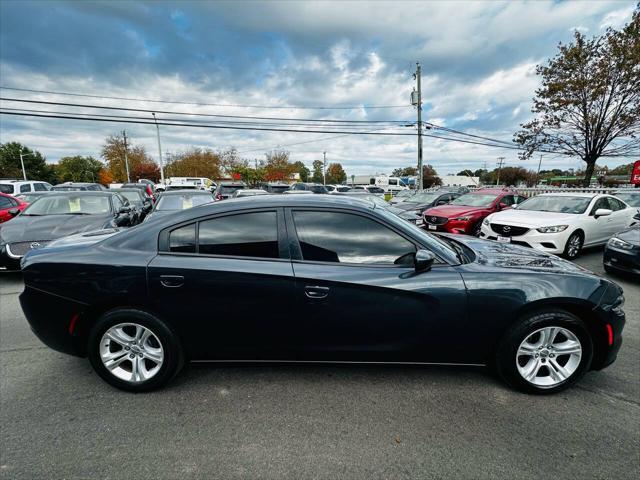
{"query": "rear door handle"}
(171, 281)
(314, 291)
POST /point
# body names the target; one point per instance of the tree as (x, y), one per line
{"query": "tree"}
(302, 170)
(589, 102)
(104, 177)
(622, 169)
(465, 173)
(35, 164)
(195, 162)
(278, 167)
(335, 173)
(317, 171)
(79, 169)
(147, 169)
(113, 154)
(430, 177)
(405, 172)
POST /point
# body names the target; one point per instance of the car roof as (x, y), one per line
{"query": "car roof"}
(82, 193)
(569, 194)
(185, 191)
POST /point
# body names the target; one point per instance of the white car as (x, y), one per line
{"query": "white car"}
(560, 223)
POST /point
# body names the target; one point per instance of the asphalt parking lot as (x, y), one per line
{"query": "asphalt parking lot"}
(59, 420)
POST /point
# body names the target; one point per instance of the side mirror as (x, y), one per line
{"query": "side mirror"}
(442, 202)
(515, 205)
(13, 212)
(602, 212)
(423, 260)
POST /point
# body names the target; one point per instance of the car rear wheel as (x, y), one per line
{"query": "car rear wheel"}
(573, 246)
(545, 352)
(134, 351)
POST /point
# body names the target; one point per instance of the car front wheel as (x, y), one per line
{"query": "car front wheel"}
(134, 350)
(545, 353)
(573, 246)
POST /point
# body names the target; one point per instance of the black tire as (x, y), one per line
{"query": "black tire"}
(569, 253)
(506, 354)
(173, 355)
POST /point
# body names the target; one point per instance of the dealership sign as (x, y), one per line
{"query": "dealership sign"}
(635, 173)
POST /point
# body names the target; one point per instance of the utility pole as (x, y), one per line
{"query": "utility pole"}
(24, 172)
(159, 149)
(126, 159)
(500, 162)
(416, 99)
(324, 168)
(538, 172)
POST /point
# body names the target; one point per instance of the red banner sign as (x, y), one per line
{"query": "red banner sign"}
(635, 173)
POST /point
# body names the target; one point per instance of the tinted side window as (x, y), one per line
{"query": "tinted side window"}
(5, 202)
(183, 239)
(615, 204)
(25, 188)
(348, 238)
(117, 203)
(243, 235)
(507, 200)
(39, 187)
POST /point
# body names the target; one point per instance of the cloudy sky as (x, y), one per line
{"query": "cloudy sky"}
(244, 58)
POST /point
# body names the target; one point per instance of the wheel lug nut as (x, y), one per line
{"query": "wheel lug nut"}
(131, 356)
(141, 355)
(543, 360)
(126, 348)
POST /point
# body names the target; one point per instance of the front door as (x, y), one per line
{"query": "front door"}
(359, 298)
(226, 285)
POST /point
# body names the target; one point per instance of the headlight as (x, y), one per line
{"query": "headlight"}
(553, 229)
(486, 221)
(619, 243)
(463, 219)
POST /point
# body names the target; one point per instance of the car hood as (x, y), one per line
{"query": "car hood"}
(630, 235)
(49, 227)
(451, 211)
(505, 255)
(412, 206)
(531, 218)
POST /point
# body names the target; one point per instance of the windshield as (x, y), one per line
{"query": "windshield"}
(475, 200)
(70, 205)
(557, 204)
(132, 197)
(631, 199)
(375, 190)
(423, 198)
(405, 193)
(182, 202)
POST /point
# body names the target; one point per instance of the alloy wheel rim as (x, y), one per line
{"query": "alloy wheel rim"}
(549, 356)
(131, 352)
(574, 245)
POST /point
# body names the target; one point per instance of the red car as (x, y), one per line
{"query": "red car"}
(465, 213)
(9, 203)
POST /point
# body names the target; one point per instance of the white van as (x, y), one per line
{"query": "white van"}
(16, 187)
(200, 183)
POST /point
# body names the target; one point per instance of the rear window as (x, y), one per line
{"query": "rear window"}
(6, 188)
(228, 189)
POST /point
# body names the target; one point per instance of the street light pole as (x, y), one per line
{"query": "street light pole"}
(159, 149)
(24, 172)
(126, 159)
(324, 168)
(538, 172)
(416, 99)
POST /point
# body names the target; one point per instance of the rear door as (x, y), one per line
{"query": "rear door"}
(358, 297)
(599, 230)
(226, 281)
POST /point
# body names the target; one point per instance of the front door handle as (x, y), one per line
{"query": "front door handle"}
(315, 292)
(171, 281)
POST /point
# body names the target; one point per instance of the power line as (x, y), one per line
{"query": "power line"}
(102, 107)
(218, 122)
(266, 107)
(144, 121)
